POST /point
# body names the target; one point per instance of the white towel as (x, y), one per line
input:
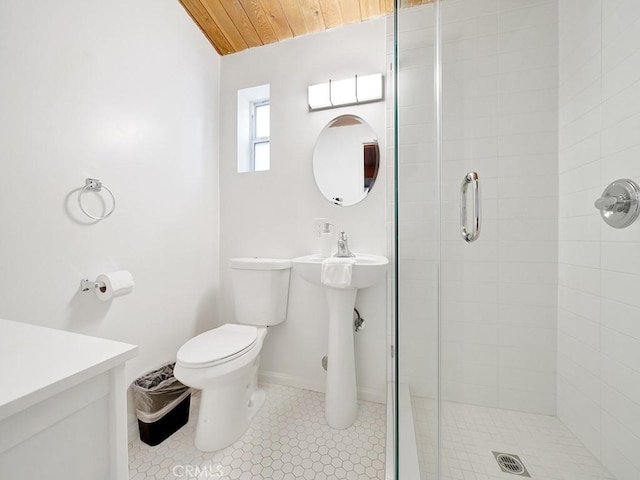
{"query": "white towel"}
(336, 271)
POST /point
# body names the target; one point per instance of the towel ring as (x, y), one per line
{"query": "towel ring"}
(95, 185)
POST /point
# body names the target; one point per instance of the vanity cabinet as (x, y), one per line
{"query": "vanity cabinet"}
(62, 404)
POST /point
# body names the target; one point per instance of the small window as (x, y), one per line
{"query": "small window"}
(254, 129)
(260, 130)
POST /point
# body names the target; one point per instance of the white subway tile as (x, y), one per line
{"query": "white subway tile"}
(523, 102)
(531, 400)
(579, 414)
(544, 35)
(585, 249)
(621, 378)
(527, 250)
(527, 358)
(528, 208)
(528, 60)
(470, 353)
(528, 316)
(622, 76)
(580, 129)
(472, 27)
(580, 303)
(584, 279)
(580, 353)
(621, 106)
(531, 16)
(539, 143)
(621, 287)
(624, 410)
(469, 373)
(621, 348)
(582, 380)
(621, 136)
(581, 178)
(618, 19)
(582, 329)
(580, 153)
(527, 337)
(573, 109)
(621, 318)
(527, 166)
(527, 272)
(453, 11)
(528, 230)
(617, 463)
(579, 229)
(473, 394)
(530, 122)
(622, 438)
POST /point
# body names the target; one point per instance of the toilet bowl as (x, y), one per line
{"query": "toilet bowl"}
(223, 362)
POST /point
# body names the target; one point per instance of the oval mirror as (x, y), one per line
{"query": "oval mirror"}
(346, 159)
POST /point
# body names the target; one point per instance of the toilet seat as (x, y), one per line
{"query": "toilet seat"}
(217, 346)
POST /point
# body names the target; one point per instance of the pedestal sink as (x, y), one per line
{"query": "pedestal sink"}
(341, 400)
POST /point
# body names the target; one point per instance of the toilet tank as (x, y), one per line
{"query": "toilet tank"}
(260, 289)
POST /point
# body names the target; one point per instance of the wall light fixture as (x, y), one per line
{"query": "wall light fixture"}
(350, 91)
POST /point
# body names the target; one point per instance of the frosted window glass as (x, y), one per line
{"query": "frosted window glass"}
(261, 156)
(262, 120)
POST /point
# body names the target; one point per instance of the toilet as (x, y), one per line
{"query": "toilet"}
(223, 362)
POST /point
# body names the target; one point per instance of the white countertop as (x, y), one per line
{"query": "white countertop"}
(37, 362)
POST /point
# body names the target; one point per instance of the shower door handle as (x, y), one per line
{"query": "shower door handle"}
(470, 178)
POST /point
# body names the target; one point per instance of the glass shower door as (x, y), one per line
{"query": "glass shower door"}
(417, 208)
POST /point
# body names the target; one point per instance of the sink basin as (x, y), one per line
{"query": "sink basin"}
(367, 270)
(341, 398)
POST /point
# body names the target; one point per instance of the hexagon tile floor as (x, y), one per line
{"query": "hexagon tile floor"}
(288, 440)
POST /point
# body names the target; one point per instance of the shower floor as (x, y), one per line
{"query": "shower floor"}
(470, 433)
(289, 439)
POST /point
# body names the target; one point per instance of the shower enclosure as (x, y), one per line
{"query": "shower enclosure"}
(517, 351)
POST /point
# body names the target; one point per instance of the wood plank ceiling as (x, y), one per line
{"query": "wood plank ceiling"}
(235, 25)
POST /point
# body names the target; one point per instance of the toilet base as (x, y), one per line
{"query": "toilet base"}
(226, 410)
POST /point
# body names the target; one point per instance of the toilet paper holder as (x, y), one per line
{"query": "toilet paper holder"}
(86, 285)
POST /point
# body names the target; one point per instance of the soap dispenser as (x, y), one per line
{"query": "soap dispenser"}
(324, 234)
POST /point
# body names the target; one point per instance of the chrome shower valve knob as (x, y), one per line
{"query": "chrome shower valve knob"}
(620, 203)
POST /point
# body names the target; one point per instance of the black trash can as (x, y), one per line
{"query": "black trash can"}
(162, 404)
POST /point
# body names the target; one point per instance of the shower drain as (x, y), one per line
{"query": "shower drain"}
(510, 463)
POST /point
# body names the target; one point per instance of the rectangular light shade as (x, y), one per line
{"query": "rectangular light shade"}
(319, 96)
(343, 92)
(370, 87)
(349, 91)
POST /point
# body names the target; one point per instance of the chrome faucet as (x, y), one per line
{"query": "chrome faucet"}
(343, 246)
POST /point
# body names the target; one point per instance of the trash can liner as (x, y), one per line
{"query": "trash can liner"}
(155, 390)
(155, 416)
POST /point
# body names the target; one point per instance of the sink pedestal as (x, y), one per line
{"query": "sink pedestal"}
(341, 399)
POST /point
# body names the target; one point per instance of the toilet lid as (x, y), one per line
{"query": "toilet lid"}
(215, 345)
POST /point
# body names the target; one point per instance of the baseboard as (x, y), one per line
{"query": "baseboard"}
(367, 394)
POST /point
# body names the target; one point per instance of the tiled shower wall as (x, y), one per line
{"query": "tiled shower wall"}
(500, 115)
(500, 112)
(599, 293)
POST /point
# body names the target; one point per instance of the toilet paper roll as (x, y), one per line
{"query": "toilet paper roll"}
(116, 284)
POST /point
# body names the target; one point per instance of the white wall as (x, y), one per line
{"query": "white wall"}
(271, 213)
(125, 92)
(599, 307)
